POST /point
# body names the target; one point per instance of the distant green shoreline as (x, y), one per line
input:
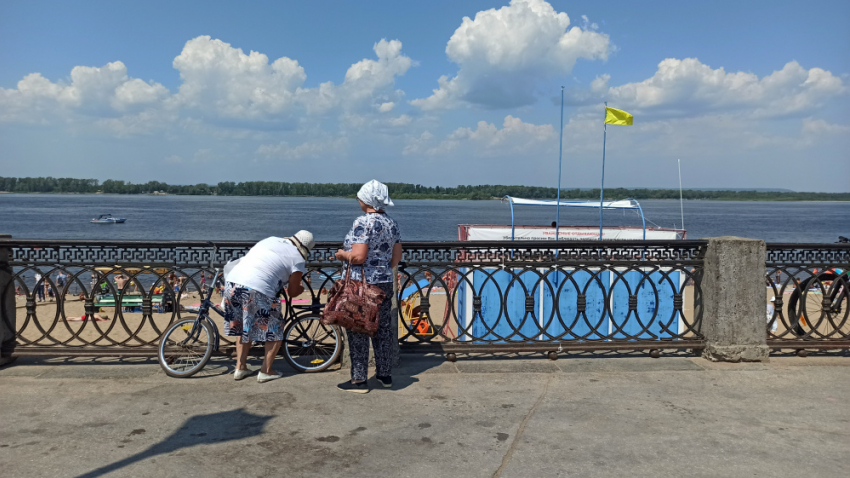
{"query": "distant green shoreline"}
(49, 185)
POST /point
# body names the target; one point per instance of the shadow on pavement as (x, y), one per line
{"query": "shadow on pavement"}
(410, 365)
(72, 360)
(198, 430)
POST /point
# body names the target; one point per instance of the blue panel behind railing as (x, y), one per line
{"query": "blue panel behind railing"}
(499, 320)
(645, 322)
(590, 325)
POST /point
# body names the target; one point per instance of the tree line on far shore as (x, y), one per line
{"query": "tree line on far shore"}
(397, 190)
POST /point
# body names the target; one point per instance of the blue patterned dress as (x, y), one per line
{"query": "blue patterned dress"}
(381, 233)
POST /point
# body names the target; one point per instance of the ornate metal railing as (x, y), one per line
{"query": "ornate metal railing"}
(536, 295)
(484, 296)
(808, 295)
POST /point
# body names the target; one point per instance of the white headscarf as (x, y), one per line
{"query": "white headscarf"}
(375, 194)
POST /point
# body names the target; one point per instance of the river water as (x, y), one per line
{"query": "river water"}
(67, 216)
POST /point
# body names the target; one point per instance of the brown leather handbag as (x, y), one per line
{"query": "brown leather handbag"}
(354, 305)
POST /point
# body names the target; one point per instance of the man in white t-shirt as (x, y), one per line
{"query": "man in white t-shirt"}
(251, 309)
(39, 288)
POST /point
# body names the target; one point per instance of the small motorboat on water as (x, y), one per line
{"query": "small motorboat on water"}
(108, 219)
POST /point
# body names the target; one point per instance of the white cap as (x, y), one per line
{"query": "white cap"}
(303, 240)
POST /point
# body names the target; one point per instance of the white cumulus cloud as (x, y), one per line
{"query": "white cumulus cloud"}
(514, 136)
(367, 83)
(223, 88)
(221, 79)
(96, 91)
(503, 53)
(690, 88)
(402, 120)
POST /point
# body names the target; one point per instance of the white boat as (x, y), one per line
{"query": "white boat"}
(493, 232)
(514, 232)
(108, 219)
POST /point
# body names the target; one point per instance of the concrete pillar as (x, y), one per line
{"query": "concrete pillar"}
(7, 305)
(732, 300)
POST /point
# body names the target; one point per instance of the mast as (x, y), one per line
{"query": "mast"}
(602, 189)
(560, 153)
(681, 203)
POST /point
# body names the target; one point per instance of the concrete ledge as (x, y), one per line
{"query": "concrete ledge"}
(736, 353)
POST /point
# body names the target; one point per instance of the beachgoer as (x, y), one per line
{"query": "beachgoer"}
(60, 284)
(252, 311)
(120, 281)
(375, 242)
(39, 288)
(770, 309)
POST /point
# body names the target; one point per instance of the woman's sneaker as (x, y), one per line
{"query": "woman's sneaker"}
(387, 381)
(347, 386)
(240, 374)
(268, 377)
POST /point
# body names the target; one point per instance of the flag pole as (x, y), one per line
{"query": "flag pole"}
(560, 153)
(602, 190)
(681, 204)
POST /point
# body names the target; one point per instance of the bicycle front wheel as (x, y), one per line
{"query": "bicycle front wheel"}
(309, 345)
(182, 351)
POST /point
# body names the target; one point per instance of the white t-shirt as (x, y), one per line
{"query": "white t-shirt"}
(267, 266)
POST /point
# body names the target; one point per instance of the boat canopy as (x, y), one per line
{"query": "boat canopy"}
(621, 204)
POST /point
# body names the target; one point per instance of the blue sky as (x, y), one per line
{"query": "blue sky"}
(747, 94)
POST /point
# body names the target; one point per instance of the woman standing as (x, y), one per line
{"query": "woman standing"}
(375, 243)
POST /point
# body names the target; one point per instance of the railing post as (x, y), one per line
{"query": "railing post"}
(8, 328)
(733, 305)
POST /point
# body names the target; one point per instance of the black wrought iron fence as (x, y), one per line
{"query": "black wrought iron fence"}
(541, 296)
(120, 296)
(808, 295)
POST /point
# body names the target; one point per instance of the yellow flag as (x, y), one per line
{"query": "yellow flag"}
(615, 116)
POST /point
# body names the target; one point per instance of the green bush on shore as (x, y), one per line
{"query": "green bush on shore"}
(398, 190)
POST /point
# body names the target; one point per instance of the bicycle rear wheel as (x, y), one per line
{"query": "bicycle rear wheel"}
(183, 353)
(309, 345)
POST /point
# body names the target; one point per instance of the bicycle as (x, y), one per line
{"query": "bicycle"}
(834, 288)
(308, 345)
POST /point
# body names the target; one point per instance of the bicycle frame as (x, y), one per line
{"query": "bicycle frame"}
(203, 313)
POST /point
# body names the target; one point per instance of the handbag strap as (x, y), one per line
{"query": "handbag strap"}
(347, 277)
(363, 272)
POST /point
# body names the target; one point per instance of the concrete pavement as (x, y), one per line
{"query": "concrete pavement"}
(515, 417)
